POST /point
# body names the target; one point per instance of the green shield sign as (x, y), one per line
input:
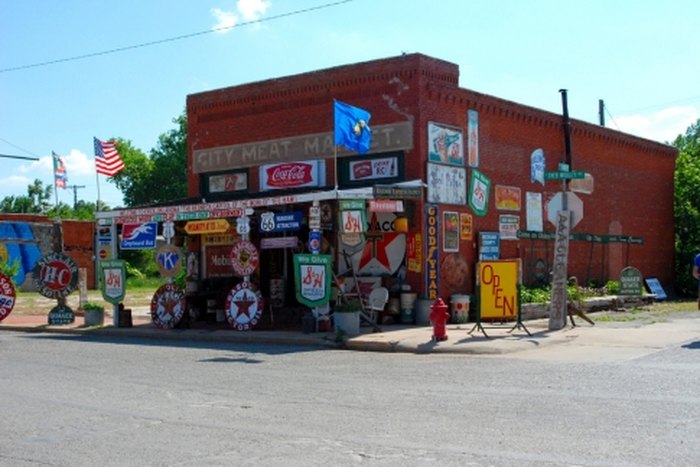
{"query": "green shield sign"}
(312, 279)
(113, 280)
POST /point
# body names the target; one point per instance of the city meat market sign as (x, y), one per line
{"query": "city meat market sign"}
(385, 138)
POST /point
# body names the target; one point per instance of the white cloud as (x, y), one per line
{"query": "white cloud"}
(663, 126)
(248, 10)
(225, 20)
(251, 10)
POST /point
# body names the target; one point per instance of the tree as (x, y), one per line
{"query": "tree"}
(35, 202)
(160, 177)
(687, 208)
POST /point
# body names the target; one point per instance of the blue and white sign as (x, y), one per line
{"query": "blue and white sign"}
(139, 236)
(315, 241)
(280, 221)
(489, 246)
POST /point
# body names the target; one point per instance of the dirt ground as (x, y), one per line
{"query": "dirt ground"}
(32, 303)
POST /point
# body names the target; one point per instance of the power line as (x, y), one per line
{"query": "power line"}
(172, 39)
(21, 149)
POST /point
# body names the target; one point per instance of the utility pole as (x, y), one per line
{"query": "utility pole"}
(75, 194)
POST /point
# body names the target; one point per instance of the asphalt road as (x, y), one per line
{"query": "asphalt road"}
(75, 400)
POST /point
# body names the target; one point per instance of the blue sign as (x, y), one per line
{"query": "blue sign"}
(139, 236)
(315, 241)
(489, 246)
(280, 221)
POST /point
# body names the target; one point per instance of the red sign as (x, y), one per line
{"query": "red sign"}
(218, 261)
(244, 258)
(291, 175)
(7, 296)
(167, 306)
(55, 275)
(244, 305)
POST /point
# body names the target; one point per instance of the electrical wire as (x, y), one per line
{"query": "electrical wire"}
(172, 39)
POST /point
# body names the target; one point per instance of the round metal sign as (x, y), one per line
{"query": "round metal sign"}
(244, 258)
(167, 306)
(55, 275)
(244, 305)
(7, 296)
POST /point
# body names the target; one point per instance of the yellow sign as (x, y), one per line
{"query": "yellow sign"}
(498, 283)
(207, 226)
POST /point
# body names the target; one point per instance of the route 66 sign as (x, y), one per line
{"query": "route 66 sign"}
(267, 221)
(243, 225)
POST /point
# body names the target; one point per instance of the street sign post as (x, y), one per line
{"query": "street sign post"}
(564, 175)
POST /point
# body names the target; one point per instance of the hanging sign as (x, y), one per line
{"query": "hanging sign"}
(312, 279)
(479, 193)
(55, 275)
(207, 226)
(140, 236)
(244, 305)
(431, 256)
(113, 280)
(244, 258)
(280, 221)
(7, 296)
(167, 306)
(168, 260)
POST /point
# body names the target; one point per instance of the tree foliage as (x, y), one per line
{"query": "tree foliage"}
(687, 208)
(160, 177)
(36, 201)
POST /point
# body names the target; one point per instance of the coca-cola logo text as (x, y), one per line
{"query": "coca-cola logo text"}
(289, 175)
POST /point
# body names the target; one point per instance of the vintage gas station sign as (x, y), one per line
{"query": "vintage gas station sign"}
(244, 305)
(167, 306)
(55, 275)
(7, 296)
(244, 258)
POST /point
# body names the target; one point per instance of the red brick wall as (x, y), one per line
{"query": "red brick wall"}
(633, 177)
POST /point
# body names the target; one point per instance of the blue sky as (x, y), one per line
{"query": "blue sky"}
(640, 57)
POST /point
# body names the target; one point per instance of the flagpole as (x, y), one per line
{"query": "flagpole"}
(335, 167)
(97, 179)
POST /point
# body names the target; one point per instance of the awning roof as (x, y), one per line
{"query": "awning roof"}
(233, 208)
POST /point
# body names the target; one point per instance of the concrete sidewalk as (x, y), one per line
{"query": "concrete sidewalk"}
(624, 338)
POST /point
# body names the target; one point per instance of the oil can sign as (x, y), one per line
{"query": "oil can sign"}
(7, 296)
(55, 275)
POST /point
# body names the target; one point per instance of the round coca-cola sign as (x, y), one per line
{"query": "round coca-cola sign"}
(55, 275)
(7, 296)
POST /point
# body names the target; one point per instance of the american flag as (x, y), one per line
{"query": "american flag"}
(107, 160)
(60, 175)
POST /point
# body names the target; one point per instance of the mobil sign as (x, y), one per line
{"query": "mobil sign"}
(139, 236)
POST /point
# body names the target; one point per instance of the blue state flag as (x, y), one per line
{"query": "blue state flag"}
(352, 127)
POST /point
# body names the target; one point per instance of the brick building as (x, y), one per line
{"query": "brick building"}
(465, 169)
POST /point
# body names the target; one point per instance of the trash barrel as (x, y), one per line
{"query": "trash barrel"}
(408, 303)
(459, 312)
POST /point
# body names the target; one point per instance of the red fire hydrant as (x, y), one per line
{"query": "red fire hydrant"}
(439, 317)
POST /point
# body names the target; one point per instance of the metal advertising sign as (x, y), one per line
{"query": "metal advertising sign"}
(208, 226)
(167, 306)
(281, 221)
(7, 296)
(244, 305)
(431, 255)
(631, 282)
(113, 280)
(168, 260)
(244, 258)
(55, 275)
(140, 236)
(312, 279)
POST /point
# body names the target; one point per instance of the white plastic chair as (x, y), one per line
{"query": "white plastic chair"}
(376, 301)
